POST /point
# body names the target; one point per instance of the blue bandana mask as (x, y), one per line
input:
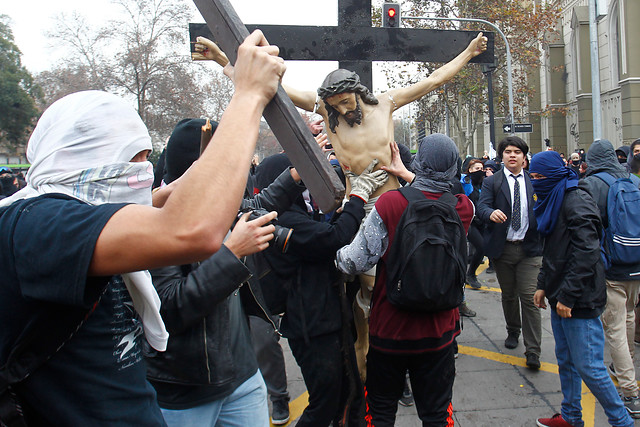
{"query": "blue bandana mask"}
(550, 190)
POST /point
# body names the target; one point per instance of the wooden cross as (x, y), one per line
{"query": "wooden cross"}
(283, 117)
(355, 43)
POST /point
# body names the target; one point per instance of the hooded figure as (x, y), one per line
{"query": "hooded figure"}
(435, 163)
(399, 338)
(622, 281)
(87, 159)
(602, 157)
(572, 280)
(623, 153)
(633, 161)
(183, 147)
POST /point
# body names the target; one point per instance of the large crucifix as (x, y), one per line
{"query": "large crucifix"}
(354, 43)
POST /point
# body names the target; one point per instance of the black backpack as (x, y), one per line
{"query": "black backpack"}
(428, 258)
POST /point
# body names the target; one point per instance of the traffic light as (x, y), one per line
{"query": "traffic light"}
(391, 15)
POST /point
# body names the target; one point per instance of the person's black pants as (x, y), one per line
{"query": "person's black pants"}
(431, 375)
(325, 375)
(474, 236)
(270, 356)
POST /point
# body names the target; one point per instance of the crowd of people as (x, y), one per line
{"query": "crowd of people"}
(123, 305)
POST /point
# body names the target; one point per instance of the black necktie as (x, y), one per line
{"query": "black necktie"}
(516, 219)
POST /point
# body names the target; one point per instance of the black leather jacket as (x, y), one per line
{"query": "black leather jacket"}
(195, 305)
(572, 270)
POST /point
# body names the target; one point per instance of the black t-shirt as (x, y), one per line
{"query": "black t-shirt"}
(97, 377)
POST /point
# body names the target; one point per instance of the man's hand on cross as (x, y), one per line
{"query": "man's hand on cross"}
(258, 69)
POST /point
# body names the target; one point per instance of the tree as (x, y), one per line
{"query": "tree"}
(141, 56)
(523, 22)
(17, 92)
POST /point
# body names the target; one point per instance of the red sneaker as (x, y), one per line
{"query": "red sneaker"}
(555, 421)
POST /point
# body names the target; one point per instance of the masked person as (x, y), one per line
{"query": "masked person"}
(572, 280)
(400, 340)
(472, 185)
(75, 301)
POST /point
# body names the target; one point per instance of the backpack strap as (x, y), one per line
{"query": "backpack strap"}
(606, 177)
(413, 194)
(609, 179)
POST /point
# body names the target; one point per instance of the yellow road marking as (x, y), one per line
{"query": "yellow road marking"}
(297, 406)
(588, 399)
(504, 358)
(479, 270)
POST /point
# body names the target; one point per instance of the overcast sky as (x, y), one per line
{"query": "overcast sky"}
(31, 18)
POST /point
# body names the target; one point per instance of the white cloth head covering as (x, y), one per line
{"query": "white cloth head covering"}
(82, 146)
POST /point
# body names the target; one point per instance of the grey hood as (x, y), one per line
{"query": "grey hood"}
(602, 157)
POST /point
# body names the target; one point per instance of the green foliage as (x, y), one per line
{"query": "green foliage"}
(17, 92)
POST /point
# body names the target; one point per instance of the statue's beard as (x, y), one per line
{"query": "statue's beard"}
(354, 116)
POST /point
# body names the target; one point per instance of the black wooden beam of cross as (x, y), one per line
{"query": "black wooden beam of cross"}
(355, 43)
(283, 117)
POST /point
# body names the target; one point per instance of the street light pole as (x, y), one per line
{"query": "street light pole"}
(488, 71)
(510, 119)
(595, 72)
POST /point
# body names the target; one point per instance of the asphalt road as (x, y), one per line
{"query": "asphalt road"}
(493, 386)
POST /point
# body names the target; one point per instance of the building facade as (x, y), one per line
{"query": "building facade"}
(566, 80)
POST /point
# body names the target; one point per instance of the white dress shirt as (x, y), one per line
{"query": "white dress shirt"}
(515, 235)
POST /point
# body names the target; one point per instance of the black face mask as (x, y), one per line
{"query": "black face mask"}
(575, 162)
(622, 160)
(636, 157)
(476, 177)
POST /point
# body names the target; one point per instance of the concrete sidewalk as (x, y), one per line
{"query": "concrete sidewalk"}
(493, 386)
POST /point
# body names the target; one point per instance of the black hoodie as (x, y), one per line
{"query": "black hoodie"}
(602, 157)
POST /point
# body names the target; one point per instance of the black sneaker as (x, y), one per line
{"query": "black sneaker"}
(612, 371)
(473, 282)
(512, 340)
(280, 412)
(407, 396)
(632, 403)
(533, 361)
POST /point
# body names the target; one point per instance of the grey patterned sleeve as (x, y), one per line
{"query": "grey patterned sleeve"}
(366, 249)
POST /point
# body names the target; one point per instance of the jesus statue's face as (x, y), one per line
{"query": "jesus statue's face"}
(347, 105)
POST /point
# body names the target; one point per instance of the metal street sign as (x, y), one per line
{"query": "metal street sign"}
(517, 128)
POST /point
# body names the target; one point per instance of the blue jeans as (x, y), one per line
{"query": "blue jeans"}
(580, 355)
(246, 406)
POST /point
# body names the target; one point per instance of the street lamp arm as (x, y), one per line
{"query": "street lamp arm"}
(506, 42)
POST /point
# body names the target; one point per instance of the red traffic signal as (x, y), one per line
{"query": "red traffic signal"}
(391, 15)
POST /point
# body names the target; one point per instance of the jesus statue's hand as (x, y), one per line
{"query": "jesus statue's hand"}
(478, 45)
(206, 50)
